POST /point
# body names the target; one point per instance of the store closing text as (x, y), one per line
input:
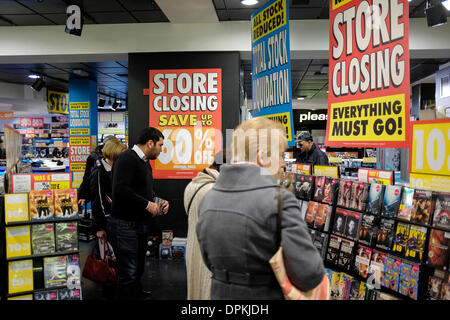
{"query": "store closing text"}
(236, 309)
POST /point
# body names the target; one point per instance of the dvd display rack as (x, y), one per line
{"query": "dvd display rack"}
(377, 241)
(40, 259)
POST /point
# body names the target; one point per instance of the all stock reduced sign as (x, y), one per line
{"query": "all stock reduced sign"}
(368, 100)
(271, 65)
(186, 106)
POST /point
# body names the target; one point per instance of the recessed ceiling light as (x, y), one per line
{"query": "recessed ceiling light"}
(446, 4)
(301, 98)
(249, 2)
(33, 76)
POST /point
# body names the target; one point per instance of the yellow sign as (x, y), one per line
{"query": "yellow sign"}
(77, 179)
(20, 275)
(77, 167)
(24, 297)
(429, 182)
(79, 105)
(59, 185)
(80, 132)
(370, 160)
(369, 120)
(335, 159)
(328, 171)
(269, 20)
(18, 241)
(339, 3)
(77, 141)
(430, 151)
(57, 102)
(285, 119)
(16, 207)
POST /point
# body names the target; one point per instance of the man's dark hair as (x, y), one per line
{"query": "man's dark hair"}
(149, 133)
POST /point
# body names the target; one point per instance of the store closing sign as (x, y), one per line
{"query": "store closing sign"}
(430, 155)
(271, 65)
(186, 106)
(368, 102)
(57, 102)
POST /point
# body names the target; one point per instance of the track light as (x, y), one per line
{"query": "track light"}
(38, 84)
(249, 2)
(436, 14)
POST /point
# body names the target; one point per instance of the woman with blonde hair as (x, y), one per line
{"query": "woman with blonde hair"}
(237, 224)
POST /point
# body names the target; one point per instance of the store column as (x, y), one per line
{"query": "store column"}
(83, 122)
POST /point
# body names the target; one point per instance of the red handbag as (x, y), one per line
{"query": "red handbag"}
(100, 270)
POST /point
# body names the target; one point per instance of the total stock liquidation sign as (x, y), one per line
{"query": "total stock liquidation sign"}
(271, 65)
(186, 106)
(369, 84)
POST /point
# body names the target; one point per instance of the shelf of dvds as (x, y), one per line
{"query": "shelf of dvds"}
(40, 232)
(363, 232)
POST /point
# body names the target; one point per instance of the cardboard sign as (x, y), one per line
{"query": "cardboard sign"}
(20, 275)
(186, 106)
(16, 207)
(18, 242)
(368, 100)
(271, 65)
(328, 171)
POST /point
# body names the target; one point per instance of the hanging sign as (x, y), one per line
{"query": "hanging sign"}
(368, 100)
(271, 65)
(186, 106)
(79, 119)
(430, 155)
(57, 102)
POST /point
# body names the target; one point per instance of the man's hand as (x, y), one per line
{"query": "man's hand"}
(152, 208)
(81, 202)
(165, 206)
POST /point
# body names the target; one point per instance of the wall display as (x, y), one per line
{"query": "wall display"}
(271, 65)
(423, 207)
(376, 196)
(441, 217)
(20, 275)
(41, 205)
(16, 207)
(438, 249)
(43, 238)
(111, 123)
(18, 241)
(66, 203)
(368, 100)
(186, 105)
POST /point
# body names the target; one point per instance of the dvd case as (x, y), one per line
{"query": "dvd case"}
(352, 224)
(55, 271)
(391, 276)
(304, 186)
(386, 234)
(401, 239)
(376, 268)
(73, 272)
(435, 285)
(406, 204)
(339, 221)
(66, 203)
(441, 217)
(43, 238)
(46, 295)
(391, 201)
(416, 242)
(320, 242)
(41, 205)
(344, 195)
(376, 196)
(368, 229)
(438, 249)
(66, 236)
(360, 195)
(346, 254)
(362, 260)
(409, 279)
(330, 190)
(313, 207)
(423, 207)
(333, 249)
(323, 217)
(319, 188)
(304, 209)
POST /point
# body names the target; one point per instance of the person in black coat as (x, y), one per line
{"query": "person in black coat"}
(309, 153)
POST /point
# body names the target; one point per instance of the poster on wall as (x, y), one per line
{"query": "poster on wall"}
(79, 151)
(186, 106)
(271, 65)
(369, 85)
(111, 123)
(57, 102)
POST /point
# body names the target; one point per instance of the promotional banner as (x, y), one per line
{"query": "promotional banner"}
(6, 115)
(430, 155)
(79, 119)
(18, 242)
(31, 122)
(57, 102)
(111, 123)
(79, 151)
(20, 275)
(186, 106)
(271, 65)
(328, 171)
(368, 100)
(376, 176)
(25, 182)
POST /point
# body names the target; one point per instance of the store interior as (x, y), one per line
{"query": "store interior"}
(27, 83)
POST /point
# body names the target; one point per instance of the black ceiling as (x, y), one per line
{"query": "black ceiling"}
(112, 77)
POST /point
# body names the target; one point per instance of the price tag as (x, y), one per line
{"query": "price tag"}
(328, 171)
(429, 182)
(16, 207)
(430, 147)
(18, 241)
(20, 275)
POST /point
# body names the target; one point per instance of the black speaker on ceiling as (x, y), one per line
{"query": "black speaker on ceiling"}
(38, 84)
(115, 105)
(101, 103)
(436, 15)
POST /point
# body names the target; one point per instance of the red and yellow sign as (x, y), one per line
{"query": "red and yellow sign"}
(79, 151)
(6, 115)
(368, 100)
(328, 171)
(376, 176)
(186, 106)
(429, 156)
(25, 182)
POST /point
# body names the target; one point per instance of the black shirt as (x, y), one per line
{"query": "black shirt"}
(132, 187)
(314, 156)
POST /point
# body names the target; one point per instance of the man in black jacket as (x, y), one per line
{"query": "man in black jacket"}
(132, 203)
(309, 153)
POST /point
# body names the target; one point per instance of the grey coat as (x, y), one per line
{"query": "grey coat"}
(237, 232)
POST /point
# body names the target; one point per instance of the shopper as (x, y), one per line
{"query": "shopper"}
(84, 194)
(309, 153)
(198, 276)
(132, 195)
(237, 225)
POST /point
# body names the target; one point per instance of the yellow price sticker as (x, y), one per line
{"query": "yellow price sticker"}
(429, 182)
(328, 171)
(20, 275)
(16, 207)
